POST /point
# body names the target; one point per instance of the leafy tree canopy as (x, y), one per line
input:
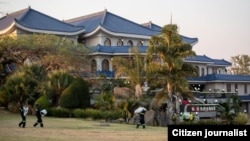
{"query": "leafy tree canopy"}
(51, 51)
(240, 65)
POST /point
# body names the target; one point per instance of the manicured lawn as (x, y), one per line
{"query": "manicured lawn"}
(72, 129)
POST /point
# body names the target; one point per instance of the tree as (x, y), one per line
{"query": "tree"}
(105, 101)
(51, 51)
(21, 86)
(240, 65)
(230, 109)
(132, 68)
(58, 81)
(165, 62)
(76, 95)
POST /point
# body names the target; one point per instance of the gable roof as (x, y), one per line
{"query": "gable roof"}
(116, 25)
(112, 23)
(33, 21)
(207, 60)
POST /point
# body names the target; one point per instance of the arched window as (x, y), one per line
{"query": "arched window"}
(139, 43)
(202, 72)
(93, 66)
(198, 69)
(120, 42)
(129, 43)
(105, 65)
(107, 42)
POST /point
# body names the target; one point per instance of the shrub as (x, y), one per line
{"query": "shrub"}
(80, 113)
(241, 119)
(96, 114)
(43, 102)
(58, 112)
(76, 95)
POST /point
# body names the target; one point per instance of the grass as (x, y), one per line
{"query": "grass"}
(73, 129)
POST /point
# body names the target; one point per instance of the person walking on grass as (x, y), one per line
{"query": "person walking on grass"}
(38, 116)
(23, 112)
(141, 118)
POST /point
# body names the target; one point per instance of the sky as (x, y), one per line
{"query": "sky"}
(221, 26)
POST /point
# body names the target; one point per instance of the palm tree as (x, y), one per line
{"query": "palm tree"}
(165, 61)
(230, 109)
(132, 68)
(21, 86)
(58, 81)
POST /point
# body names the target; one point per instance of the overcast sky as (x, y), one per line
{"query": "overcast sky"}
(222, 26)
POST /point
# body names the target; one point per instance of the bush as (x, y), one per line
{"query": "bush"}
(96, 114)
(80, 113)
(241, 119)
(76, 95)
(58, 112)
(43, 102)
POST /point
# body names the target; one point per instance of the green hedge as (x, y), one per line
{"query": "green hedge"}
(85, 113)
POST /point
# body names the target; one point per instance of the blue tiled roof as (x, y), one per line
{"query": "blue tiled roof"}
(112, 23)
(188, 40)
(209, 61)
(35, 20)
(7, 20)
(199, 58)
(152, 26)
(91, 22)
(221, 62)
(222, 77)
(117, 24)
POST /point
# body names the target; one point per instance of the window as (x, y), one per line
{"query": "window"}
(120, 42)
(107, 42)
(202, 72)
(129, 43)
(236, 87)
(214, 70)
(228, 87)
(93, 66)
(139, 43)
(245, 88)
(105, 65)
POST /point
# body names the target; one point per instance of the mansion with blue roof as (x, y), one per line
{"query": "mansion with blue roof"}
(111, 35)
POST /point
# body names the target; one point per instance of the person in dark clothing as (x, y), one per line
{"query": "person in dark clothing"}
(39, 116)
(23, 113)
(141, 119)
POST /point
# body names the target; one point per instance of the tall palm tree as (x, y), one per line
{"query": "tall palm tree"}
(165, 61)
(230, 109)
(132, 68)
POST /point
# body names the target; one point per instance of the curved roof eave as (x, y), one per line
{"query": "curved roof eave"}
(8, 29)
(115, 34)
(48, 31)
(194, 43)
(194, 61)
